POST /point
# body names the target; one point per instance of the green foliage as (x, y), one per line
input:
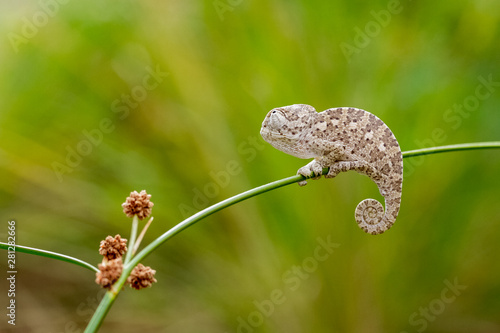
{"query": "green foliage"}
(73, 147)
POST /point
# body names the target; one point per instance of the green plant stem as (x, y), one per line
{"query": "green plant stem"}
(102, 310)
(141, 236)
(131, 262)
(184, 224)
(133, 236)
(450, 148)
(111, 295)
(280, 183)
(49, 254)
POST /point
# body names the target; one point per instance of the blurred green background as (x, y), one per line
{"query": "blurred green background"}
(83, 122)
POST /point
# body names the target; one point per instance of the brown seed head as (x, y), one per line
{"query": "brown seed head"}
(138, 204)
(109, 272)
(113, 247)
(141, 277)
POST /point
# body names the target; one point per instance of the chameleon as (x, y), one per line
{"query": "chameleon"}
(343, 139)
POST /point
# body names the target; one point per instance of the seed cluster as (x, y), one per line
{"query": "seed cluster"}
(138, 204)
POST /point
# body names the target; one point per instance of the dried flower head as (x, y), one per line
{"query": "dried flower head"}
(113, 247)
(109, 272)
(138, 204)
(141, 277)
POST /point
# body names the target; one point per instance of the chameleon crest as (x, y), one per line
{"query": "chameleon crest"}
(343, 139)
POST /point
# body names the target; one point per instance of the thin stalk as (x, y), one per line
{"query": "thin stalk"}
(131, 242)
(141, 236)
(110, 296)
(280, 183)
(184, 224)
(450, 148)
(103, 308)
(49, 254)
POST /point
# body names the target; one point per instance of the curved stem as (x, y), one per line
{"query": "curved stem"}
(450, 148)
(211, 210)
(280, 183)
(110, 296)
(240, 197)
(49, 254)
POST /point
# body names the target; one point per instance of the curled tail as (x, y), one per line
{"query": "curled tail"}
(370, 213)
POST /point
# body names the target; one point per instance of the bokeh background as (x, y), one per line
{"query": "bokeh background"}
(83, 122)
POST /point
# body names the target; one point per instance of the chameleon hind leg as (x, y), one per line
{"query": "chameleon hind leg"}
(358, 166)
(315, 167)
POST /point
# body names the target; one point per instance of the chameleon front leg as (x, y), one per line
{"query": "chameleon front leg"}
(328, 153)
(313, 167)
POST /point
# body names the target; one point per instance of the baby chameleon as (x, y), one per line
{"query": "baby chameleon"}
(343, 139)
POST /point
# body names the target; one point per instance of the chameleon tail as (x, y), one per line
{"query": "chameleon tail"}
(370, 214)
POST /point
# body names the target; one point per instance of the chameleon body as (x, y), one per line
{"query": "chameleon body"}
(343, 139)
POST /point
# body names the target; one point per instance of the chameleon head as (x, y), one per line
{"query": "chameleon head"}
(287, 121)
(285, 127)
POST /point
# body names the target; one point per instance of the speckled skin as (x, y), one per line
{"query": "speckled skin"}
(343, 139)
